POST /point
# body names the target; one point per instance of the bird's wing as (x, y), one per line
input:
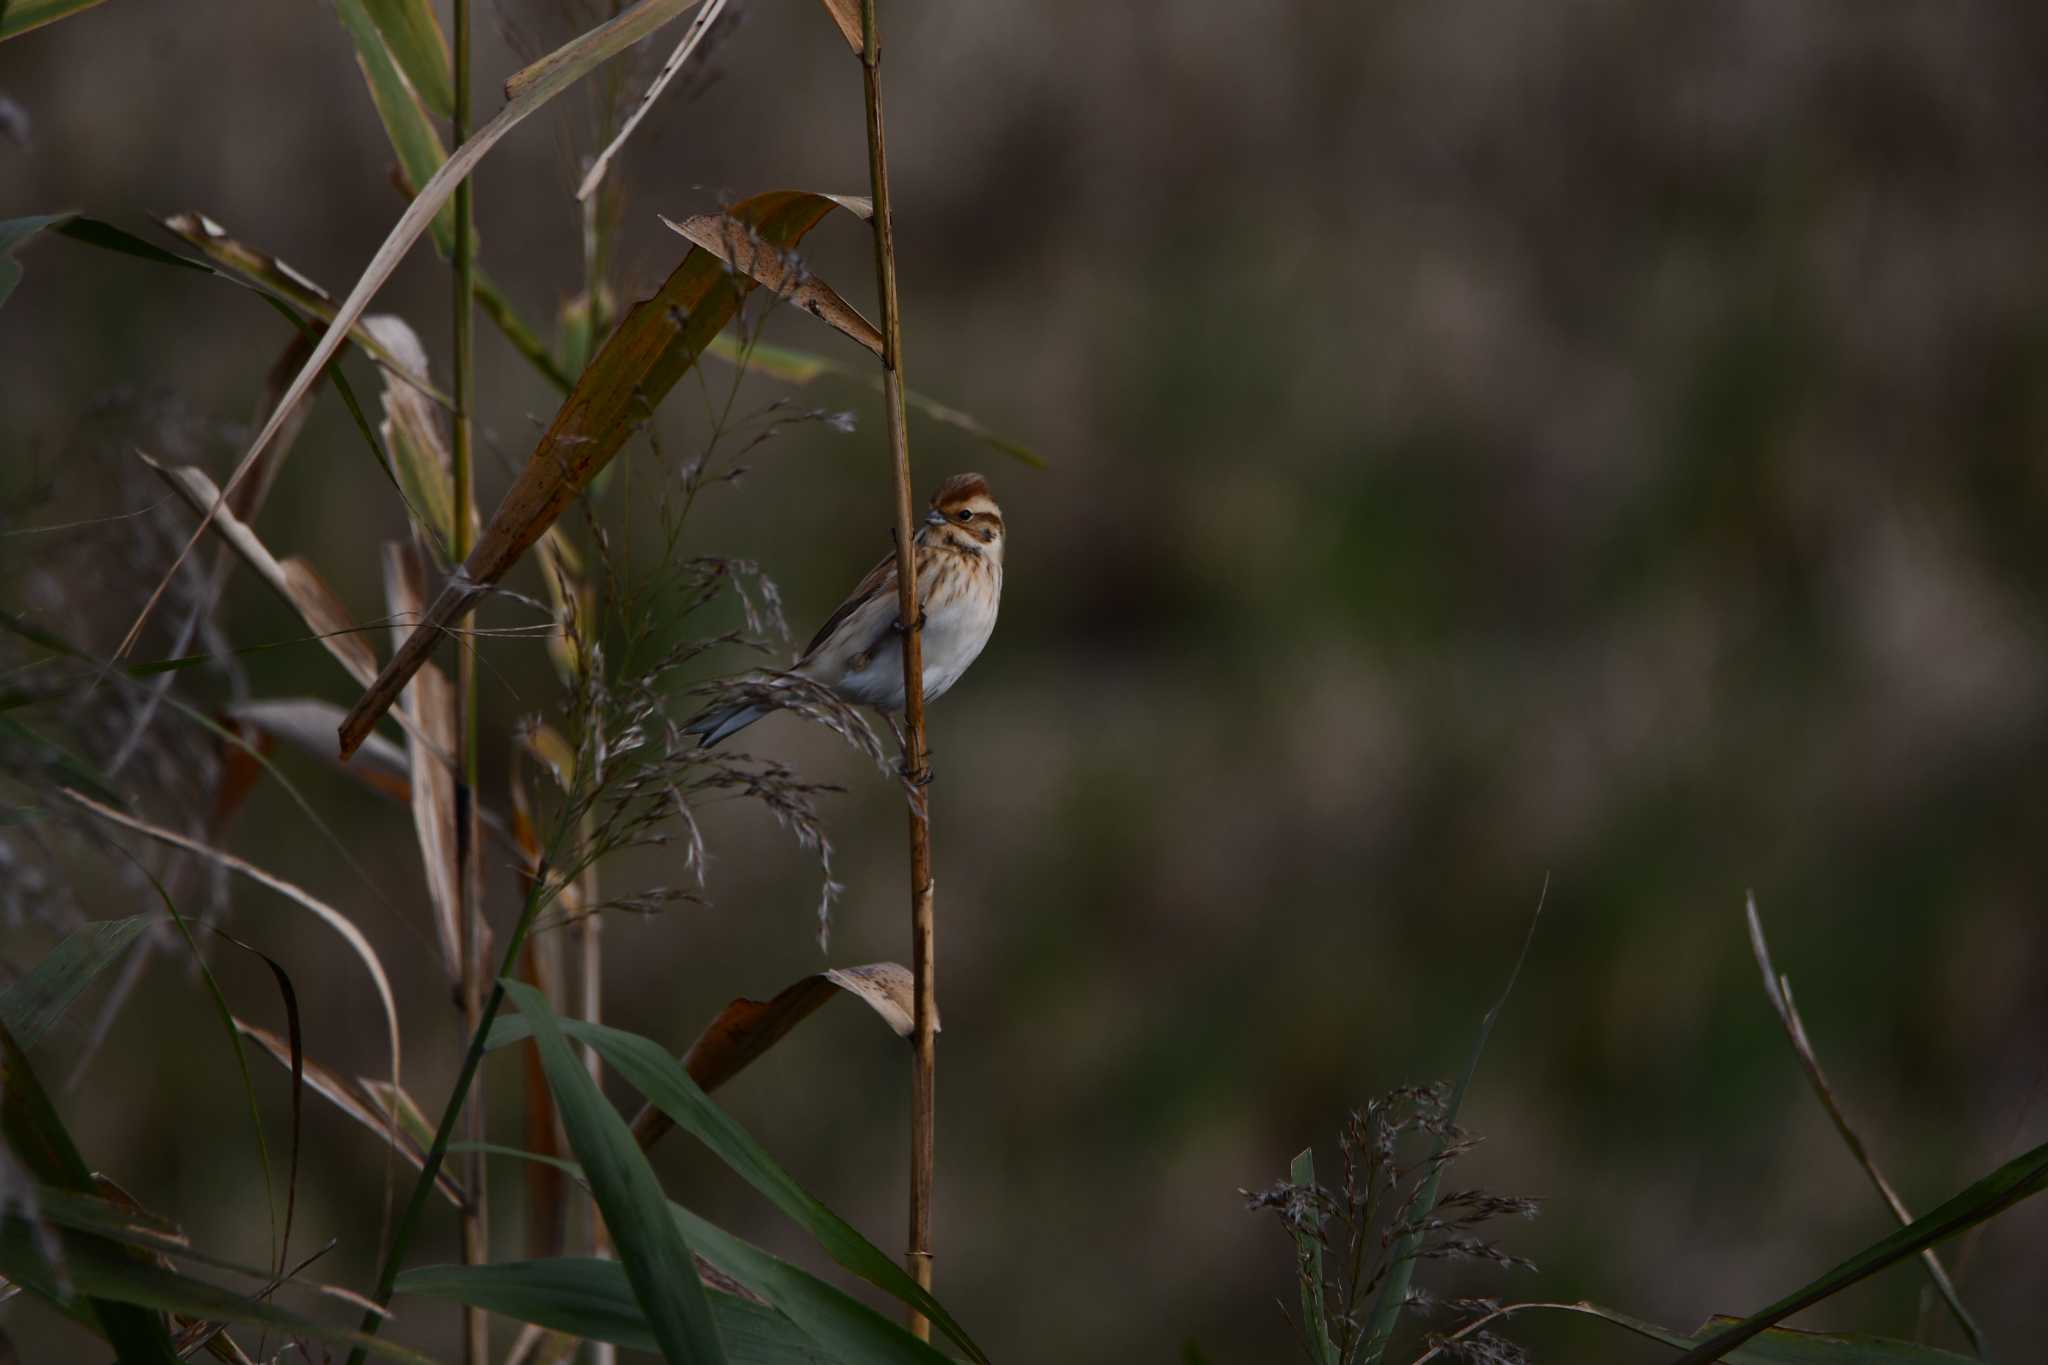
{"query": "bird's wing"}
(881, 579)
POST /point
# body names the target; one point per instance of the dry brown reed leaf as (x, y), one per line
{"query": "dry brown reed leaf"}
(384, 1111)
(779, 271)
(414, 434)
(333, 918)
(430, 700)
(747, 1028)
(294, 580)
(527, 91)
(846, 14)
(653, 346)
(307, 724)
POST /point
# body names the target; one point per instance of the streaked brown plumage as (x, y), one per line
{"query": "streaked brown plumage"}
(856, 653)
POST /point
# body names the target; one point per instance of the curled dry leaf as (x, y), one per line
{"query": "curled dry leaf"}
(384, 1110)
(653, 346)
(778, 270)
(413, 433)
(430, 700)
(747, 1028)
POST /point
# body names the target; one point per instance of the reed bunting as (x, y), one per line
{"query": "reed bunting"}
(856, 653)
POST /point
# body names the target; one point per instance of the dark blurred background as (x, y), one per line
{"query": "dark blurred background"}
(1487, 442)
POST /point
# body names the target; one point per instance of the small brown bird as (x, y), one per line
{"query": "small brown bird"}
(959, 556)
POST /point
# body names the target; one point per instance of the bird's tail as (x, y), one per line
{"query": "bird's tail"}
(723, 722)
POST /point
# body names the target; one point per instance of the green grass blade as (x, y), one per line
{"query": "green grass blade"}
(14, 233)
(2021, 1178)
(413, 34)
(412, 135)
(19, 16)
(647, 1066)
(592, 1299)
(38, 1000)
(849, 1330)
(652, 1248)
(119, 1282)
(1778, 1346)
(1393, 1293)
(40, 1143)
(1315, 1321)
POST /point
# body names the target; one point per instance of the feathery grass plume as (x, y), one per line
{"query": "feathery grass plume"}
(1347, 1237)
(82, 556)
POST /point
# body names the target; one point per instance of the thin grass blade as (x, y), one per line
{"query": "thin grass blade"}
(19, 16)
(40, 1142)
(413, 33)
(592, 1299)
(1393, 1293)
(652, 1248)
(1778, 990)
(31, 1006)
(2021, 1178)
(668, 1085)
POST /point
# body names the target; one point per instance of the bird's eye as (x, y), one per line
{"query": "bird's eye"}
(966, 515)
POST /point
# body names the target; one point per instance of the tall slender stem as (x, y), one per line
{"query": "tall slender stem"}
(917, 758)
(476, 1345)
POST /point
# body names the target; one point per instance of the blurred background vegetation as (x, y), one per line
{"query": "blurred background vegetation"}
(1486, 441)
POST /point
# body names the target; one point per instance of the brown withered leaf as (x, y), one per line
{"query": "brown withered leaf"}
(307, 724)
(351, 1099)
(525, 93)
(414, 434)
(294, 579)
(430, 700)
(747, 1028)
(240, 771)
(846, 14)
(777, 269)
(653, 346)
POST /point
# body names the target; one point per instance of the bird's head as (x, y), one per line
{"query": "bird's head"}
(963, 514)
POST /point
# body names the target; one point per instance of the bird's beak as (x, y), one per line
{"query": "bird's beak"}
(934, 517)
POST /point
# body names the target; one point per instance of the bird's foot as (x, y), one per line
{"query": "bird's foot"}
(898, 626)
(919, 777)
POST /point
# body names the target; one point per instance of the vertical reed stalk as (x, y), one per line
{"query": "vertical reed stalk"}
(590, 1007)
(916, 758)
(476, 1218)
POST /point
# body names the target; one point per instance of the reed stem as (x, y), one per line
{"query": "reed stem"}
(476, 1216)
(916, 756)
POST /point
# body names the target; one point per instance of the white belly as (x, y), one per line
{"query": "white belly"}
(956, 628)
